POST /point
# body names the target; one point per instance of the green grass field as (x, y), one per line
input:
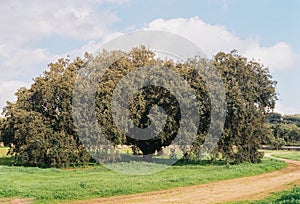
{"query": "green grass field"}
(293, 155)
(57, 185)
(286, 197)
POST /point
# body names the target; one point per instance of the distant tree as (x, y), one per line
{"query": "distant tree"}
(278, 143)
(274, 118)
(292, 119)
(289, 133)
(285, 127)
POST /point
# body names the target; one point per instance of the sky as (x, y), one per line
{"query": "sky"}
(35, 33)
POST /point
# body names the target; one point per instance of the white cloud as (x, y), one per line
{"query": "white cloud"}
(7, 90)
(210, 38)
(18, 62)
(214, 38)
(283, 109)
(28, 22)
(31, 20)
(25, 23)
(93, 46)
(278, 57)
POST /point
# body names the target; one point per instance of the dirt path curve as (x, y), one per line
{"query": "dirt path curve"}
(245, 188)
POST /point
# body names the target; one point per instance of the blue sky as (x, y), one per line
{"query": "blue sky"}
(35, 33)
(271, 20)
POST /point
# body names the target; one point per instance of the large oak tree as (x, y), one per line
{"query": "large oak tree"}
(40, 130)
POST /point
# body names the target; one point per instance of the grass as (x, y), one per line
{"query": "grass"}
(292, 155)
(4, 159)
(285, 197)
(56, 185)
(3, 151)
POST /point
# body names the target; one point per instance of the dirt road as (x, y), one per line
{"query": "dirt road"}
(245, 188)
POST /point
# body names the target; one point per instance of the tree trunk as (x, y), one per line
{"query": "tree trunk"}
(148, 158)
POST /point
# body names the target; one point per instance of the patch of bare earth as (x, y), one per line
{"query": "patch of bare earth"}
(245, 188)
(15, 201)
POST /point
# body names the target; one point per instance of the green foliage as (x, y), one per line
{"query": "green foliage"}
(285, 130)
(2, 120)
(4, 158)
(50, 185)
(145, 99)
(250, 95)
(291, 197)
(278, 143)
(291, 119)
(38, 126)
(286, 197)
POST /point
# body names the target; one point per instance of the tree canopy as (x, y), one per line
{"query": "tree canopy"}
(285, 130)
(251, 94)
(39, 126)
